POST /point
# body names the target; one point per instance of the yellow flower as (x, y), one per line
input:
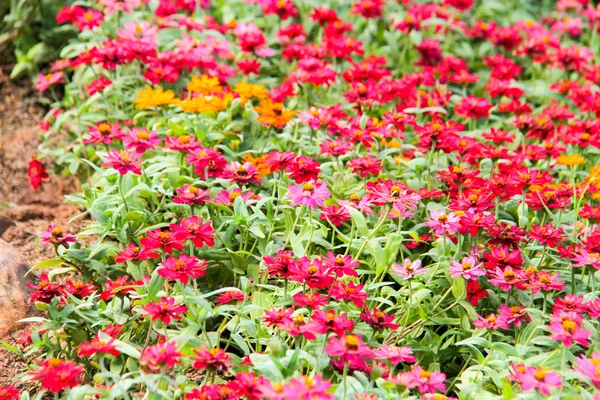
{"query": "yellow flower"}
(203, 104)
(571, 161)
(273, 114)
(205, 85)
(248, 90)
(154, 98)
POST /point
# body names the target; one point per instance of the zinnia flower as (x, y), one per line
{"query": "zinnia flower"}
(308, 194)
(165, 310)
(57, 375)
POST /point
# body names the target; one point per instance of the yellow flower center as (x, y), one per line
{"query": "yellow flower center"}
(351, 342)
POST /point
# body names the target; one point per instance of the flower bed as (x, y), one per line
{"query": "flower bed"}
(292, 200)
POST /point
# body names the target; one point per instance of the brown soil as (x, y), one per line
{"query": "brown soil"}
(25, 212)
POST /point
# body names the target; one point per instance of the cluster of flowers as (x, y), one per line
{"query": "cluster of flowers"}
(382, 200)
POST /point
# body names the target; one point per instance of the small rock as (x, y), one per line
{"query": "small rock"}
(14, 292)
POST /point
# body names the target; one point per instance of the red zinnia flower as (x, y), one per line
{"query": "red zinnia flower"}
(36, 173)
(57, 375)
(183, 268)
(213, 359)
(165, 310)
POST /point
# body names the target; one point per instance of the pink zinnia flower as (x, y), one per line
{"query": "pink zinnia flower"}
(212, 359)
(335, 214)
(103, 132)
(341, 264)
(89, 19)
(242, 174)
(98, 85)
(228, 198)
(141, 140)
(395, 354)
(309, 195)
(589, 367)
(314, 301)
(160, 356)
(584, 258)
(379, 319)
(539, 379)
(45, 81)
(229, 296)
(183, 268)
(166, 239)
(165, 310)
(350, 292)
(566, 327)
(442, 222)
(365, 165)
(185, 143)
(55, 235)
(196, 229)
(428, 381)
(492, 321)
(467, 268)
(408, 269)
(349, 348)
(89, 349)
(305, 387)
(191, 195)
(135, 252)
(123, 161)
(514, 315)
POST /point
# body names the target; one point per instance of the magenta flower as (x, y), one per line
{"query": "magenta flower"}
(123, 161)
(408, 269)
(196, 229)
(98, 85)
(228, 198)
(514, 315)
(183, 268)
(395, 354)
(589, 367)
(540, 379)
(165, 310)
(161, 355)
(306, 387)
(585, 258)
(45, 81)
(350, 292)
(186, 143)
(135, 252)
(349, 348)
(337, 215)
(341, 264)
(309, 194)
(55, 235)
(104, 132)
(141, 140)
(190, 195)
(441, 222)
(467, 268)
(492, 321)
(428, 381)
(566, 328)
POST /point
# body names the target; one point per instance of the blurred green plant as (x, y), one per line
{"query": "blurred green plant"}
(29, 27)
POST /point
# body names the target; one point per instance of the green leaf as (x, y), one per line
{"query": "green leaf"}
(55, 262)
(459, 288)
(359, 220)
(156, 284)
